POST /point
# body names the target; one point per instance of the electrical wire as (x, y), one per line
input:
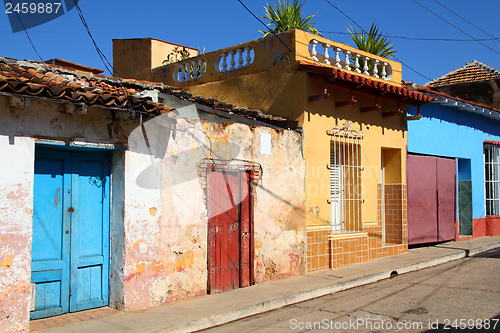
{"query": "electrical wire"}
(104, 60)
(29, 39)
(475, 26)
(454, 26)
(362, 30)
(258, 19)
(348, 17)
(419, 38)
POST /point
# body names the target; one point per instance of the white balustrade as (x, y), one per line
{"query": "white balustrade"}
(232, 63)
(365, 66)
(327, 56)
(384, 72)
(356, 64)
(375, 69)
(190, 70)
(237, 59)
(314, 53)
(345, 59)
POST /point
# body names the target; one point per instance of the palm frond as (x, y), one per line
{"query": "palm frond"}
(373, 42)
(285, 16)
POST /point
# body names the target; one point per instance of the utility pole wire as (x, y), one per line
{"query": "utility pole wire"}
(475, 26)
(362, 30)
(454, 26)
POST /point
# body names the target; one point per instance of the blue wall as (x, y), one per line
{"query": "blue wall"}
(449, 132)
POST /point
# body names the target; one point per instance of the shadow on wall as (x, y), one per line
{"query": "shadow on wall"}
(174, 147)
(452, 115)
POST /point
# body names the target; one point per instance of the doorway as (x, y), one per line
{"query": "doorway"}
(70, 249)
(431, 199)
(230, 230)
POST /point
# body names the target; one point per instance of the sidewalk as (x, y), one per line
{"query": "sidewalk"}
(213, 310)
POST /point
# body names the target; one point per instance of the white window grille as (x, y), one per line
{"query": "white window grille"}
(492, 179)
(346, 178)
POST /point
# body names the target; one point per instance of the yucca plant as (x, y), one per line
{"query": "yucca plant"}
(373, 42)
(286, 16)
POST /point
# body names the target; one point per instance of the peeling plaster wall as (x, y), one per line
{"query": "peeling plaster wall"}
(166, 215)
(16, 202)
(17, 147)
(158, 239)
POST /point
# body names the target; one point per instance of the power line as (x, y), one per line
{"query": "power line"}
(104, 60)
(362, 30)
(419, 38)
(475, 26)
(454, 26)
(264, 24)
(103, 57)
(350, 19)
(29, 39)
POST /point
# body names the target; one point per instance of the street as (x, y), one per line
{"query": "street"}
(461, 295)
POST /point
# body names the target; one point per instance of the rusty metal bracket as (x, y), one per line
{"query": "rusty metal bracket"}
(350, 102)
(417, 117)
(394, 113)
(319, 97)
(376, 107)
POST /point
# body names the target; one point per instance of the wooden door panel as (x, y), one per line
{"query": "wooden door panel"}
(70, 250)
(50, 246)
(90, 231)
(422, 199)
(246, 234)
(229, 230)
(446, 188)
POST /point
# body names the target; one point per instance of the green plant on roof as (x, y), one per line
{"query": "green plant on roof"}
(179, 54)
(372, 41)
(286, 16)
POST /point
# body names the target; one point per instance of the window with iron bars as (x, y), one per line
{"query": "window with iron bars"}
(492, 179)
(346, 179)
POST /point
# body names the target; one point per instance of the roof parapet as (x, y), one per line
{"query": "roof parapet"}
(291, 47)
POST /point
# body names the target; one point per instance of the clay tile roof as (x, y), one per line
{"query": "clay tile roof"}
(36, 79)
(366, 84)
(51, 81)
(474, 71)
(438, 93)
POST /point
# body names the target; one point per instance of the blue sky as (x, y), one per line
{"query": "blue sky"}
(221, 23)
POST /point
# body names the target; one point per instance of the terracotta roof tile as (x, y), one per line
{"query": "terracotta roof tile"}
(51, 81)
(37, 81)
(472, 72)
(431, 91)
(410, 97)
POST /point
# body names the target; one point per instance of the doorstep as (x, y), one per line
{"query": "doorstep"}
(71, 318)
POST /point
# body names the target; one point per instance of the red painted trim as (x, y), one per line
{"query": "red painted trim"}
(486, 226)
(492, 142)
(461, 100)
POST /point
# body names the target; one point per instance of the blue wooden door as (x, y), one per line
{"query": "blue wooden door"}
(70, 251)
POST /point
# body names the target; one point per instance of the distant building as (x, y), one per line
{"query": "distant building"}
(453, 164)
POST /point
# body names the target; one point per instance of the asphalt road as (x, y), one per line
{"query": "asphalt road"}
(462, 296)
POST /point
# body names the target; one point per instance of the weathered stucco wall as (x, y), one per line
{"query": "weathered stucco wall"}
(158, 231)
(166, 214)
(18, 129)
(16, 203)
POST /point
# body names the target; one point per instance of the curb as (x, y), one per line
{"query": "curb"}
(224, 318)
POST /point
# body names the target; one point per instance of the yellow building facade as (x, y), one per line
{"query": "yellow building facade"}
(350, 106)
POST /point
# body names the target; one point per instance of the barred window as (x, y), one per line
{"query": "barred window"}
(492, 179)
(346, 177)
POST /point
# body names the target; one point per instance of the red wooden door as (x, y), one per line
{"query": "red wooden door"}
(431, 199)
(229, 230)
